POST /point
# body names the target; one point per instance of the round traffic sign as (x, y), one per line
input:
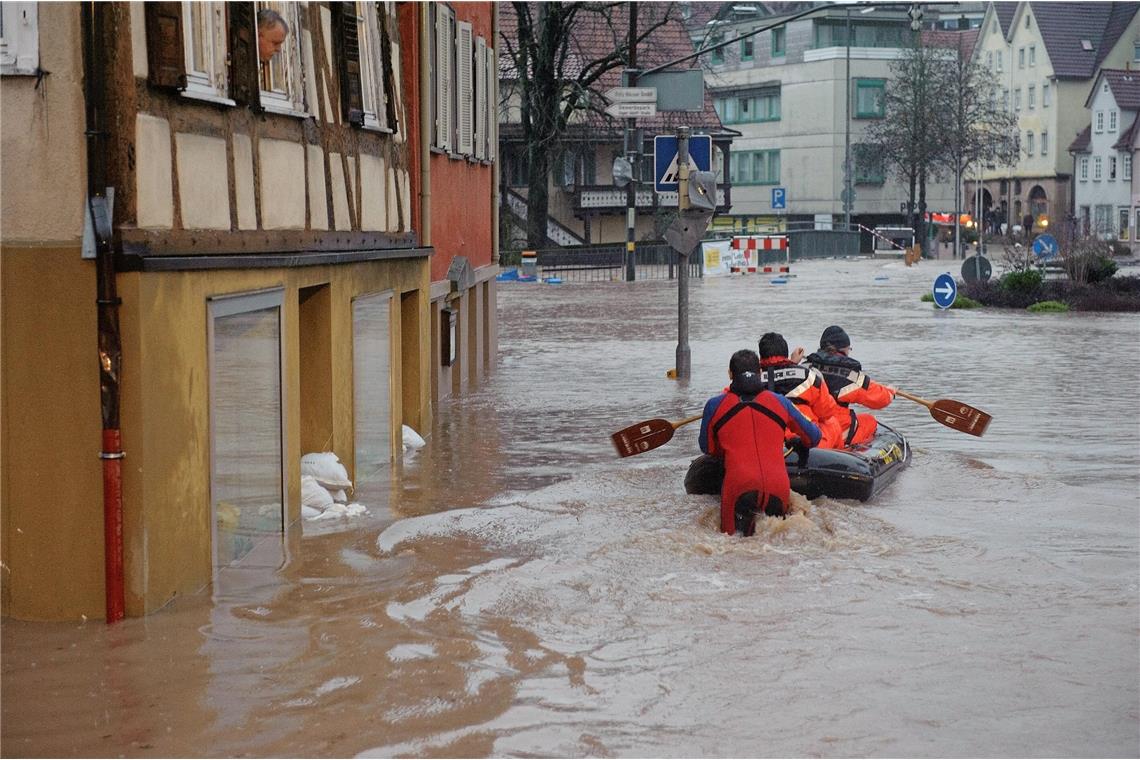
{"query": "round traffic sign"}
(945, 290)
(976, 268)
(1045, 247)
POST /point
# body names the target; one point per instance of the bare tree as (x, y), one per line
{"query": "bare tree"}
(907, 141)
(557, 60)
(975, 129)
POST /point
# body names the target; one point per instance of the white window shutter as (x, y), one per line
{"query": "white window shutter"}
(480, 98)
(466, 89)
(443, 77)
(492, 104)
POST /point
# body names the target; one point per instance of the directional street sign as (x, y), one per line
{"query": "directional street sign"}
(632, 94)
(623, 110)
(1045, 247)
(945, 291)
(779, 198)
(665, 159)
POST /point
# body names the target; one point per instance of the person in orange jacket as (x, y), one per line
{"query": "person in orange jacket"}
(804, 387)
(849, 385)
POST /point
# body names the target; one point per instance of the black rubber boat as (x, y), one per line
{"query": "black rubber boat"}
(856, 473)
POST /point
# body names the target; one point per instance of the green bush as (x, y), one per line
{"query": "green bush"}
(1101, 269)
(1021, 282)
(961, 302)
(1044, 307)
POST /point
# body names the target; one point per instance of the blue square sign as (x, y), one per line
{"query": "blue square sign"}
(779, 198)
(665, 159)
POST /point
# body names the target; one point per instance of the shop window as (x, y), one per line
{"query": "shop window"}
(246, 429)
(372, 394)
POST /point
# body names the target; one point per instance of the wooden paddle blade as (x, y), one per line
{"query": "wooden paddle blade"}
(963, 417)
(642, 437)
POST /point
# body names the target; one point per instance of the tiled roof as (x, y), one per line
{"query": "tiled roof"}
(1125, 141)
(1081, 144)
(1064, 27)
(964, 40)
(1125, 87)
(596, 35)
(1004, 12)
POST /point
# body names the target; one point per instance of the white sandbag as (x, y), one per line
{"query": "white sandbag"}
(412, 439)
(310, 513)
(340, 496)
(342, 510)
(327, 469)
(313, 494)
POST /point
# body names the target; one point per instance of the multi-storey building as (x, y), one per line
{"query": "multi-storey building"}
(1102, 183)
(299, 247)
(790, 93)
(1045, 56)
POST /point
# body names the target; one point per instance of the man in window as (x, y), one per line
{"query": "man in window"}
(271, 33)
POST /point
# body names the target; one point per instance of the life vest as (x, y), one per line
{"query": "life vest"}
(747, 429)
(842, 374)
(849, 385)
(807, 389)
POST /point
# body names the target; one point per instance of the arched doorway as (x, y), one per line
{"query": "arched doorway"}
(1038, 202)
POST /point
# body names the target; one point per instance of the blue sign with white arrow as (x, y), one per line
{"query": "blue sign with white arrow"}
(665, 174)
(1045, 247)
(945, 291)
(779, 198)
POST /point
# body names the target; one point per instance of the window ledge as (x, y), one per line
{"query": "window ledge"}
(280, 110)
(208, 97)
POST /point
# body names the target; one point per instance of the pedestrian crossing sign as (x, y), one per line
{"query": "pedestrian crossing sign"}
(665, 160)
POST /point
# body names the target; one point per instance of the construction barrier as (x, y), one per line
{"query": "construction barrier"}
(748, 248)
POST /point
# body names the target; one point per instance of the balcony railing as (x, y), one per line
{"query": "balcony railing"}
(607, 197)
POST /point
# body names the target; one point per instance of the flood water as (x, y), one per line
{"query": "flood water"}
(524, 592)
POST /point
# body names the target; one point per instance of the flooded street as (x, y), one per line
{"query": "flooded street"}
(519, 590)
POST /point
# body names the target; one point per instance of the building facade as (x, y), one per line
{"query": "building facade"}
(1045, 56)
(286, 280)
(787, 91)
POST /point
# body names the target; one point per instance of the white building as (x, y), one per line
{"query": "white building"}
(1103, 153)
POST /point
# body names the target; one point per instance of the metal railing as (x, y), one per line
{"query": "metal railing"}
(604, 263)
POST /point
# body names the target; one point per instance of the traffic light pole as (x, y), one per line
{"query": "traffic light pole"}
(631, 149)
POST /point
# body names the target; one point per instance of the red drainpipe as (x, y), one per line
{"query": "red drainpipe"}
(107, 302)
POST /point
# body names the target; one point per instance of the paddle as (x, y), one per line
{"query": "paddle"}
(954, 414)
(644, 436)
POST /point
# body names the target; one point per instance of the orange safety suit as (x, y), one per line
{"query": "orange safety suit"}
(807, 389)
(849, 385)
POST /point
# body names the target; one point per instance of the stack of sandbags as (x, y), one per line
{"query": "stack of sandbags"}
(324, 487)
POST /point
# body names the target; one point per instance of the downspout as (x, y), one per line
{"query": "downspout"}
(107, 301)
(425, 124)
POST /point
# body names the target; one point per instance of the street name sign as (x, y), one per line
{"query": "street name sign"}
(945, 291)
(632, 95)
(623, 110)
(665, 159)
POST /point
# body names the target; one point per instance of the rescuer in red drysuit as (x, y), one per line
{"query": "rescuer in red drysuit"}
(804, 387)
(848, 384)
(745, 426)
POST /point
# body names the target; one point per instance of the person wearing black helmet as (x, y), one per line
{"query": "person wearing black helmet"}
(849, 385)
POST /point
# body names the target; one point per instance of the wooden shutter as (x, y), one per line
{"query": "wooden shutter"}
(466, 89)
(351, 90)
(165, 56)
(480, 105)
(492, 64)
(443, 47)
(388, 66)
(245, 85)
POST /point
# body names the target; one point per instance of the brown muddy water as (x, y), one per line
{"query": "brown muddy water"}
(520, 591)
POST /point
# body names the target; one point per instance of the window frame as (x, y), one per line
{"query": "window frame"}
(289, 101)
(1084, 169)
(779, 41)
(871, 85)
(212, 82)
(373, 91)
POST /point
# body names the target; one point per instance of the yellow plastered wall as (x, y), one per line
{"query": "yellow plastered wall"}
(52, 492)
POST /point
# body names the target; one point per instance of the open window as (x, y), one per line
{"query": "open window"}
(280, 76)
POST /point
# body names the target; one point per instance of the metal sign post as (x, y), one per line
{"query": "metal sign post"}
(684, 366)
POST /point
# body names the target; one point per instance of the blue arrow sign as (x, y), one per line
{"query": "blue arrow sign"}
(1045, 247)
(665, 160)
(945, 291)
(779, 198)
